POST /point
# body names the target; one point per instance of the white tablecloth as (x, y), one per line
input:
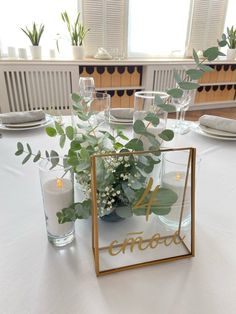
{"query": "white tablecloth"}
(37, 278)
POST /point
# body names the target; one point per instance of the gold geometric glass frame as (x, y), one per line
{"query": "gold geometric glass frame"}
(178, 238)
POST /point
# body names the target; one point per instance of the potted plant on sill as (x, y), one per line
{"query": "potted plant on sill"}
(229, 39)
(122, 180)
(35, 35)
(77, 32)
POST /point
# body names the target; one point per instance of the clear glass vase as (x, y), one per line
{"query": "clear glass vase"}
(57, 187)
(144, 102)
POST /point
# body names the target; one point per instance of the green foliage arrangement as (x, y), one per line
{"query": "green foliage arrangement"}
(76, 30)
(35, 34)
(228, 39)
(120, 181)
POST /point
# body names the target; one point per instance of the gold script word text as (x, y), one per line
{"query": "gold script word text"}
(136, 240)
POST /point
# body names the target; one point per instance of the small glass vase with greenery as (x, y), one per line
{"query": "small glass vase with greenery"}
(121, 179)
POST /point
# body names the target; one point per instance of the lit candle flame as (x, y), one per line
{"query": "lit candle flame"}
(59, 183)
(177, 176)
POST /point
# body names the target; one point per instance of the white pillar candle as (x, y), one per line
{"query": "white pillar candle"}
(57, 194)
(175, 181)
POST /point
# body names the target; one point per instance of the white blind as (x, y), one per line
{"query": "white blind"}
(107, 20)
(207, 24)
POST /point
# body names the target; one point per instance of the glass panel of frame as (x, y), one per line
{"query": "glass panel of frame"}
(143, 208)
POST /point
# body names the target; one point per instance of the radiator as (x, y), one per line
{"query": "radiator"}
(38, 87)
(161, 77)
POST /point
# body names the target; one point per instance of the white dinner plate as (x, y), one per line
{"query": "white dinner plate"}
(216, 132)
(28, 126)
(118, 122)
(198, 130)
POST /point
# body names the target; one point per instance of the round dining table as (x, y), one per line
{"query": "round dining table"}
(38, 278)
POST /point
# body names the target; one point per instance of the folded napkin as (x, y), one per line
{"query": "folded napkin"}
(122, 113)
(22, 117)
(218, 123)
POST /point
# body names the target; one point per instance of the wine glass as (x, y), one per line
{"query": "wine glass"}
(182, 105)
(86, 88)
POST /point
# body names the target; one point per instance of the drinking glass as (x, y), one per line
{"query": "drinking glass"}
(86, 88)
(182, 105)
(98, 106)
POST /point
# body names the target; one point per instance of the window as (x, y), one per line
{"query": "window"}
(230, 16)
(17, 14)
(157, 28)
(107, 20)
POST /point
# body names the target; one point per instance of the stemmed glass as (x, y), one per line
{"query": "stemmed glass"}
(182, 105)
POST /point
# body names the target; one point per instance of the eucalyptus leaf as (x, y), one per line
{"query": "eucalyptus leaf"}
(152, 117)
(211, 53)
(175, 92)
(135, 144)
(70, 132)
(62, 140)
(118, 145)
(75, 145)
(59, 129)
(158, 100)
(26, 159)
(73, 161)
(37, 157)
(168, 108)
(194, 74)
(152, 139)
(84, 154)
(222, 43)
(195, 56)
(129, 193)
(83, 165)
(140, 211)
(54, 158)
(177, 76)
(20, 146)
(139, 127)
(188, 85)
(51, 131)
(75, 97)
(205, 68)
(167, 135)
(124, 211)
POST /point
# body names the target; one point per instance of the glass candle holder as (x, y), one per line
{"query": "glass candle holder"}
(176, 175)
(144, 102)
(58, 192)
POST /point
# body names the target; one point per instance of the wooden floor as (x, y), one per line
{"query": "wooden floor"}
(194, 115)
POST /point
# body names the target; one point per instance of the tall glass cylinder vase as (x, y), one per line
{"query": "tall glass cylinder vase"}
(144, 102)
(58, 192)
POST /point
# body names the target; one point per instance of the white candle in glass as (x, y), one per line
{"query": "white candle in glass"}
(57, 194)
(175, 181)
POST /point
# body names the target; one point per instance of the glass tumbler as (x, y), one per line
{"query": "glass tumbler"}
(58, 192)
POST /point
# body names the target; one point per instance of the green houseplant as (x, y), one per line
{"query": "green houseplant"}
(77, 32)
(123, 179)
(229, 40)
(34, 36)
